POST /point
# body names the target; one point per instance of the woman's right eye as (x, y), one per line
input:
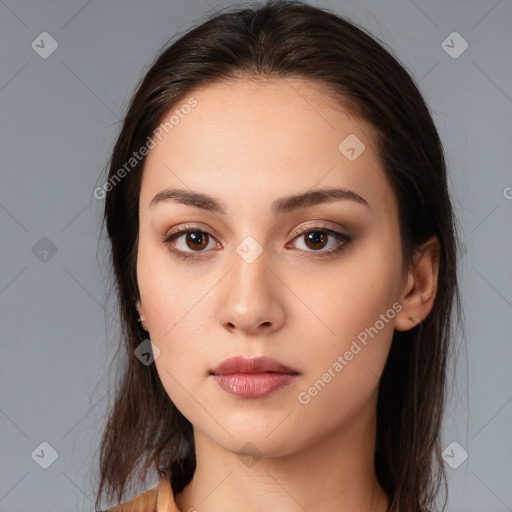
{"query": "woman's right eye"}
(189, 238)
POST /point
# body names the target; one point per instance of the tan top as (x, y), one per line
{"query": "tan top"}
(158, 499)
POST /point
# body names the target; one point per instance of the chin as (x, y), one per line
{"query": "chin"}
(250, 440)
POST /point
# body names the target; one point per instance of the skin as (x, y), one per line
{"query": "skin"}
(248, 143)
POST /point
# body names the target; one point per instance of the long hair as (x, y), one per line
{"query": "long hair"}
(280, 39)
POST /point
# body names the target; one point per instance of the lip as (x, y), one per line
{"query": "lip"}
(263, 364)
(252, 378)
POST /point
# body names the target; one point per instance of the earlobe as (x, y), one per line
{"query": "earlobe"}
(142, 315)
(419, 294)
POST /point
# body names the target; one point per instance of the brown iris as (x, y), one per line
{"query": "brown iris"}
(198, 239)
(314, 238)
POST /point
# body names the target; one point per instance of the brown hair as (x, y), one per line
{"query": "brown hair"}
(280, 39)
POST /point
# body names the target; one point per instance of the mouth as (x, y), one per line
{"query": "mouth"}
(253, 378)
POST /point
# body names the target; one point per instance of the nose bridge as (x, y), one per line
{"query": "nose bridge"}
(250, 277)
(251, 254)
(249, 296)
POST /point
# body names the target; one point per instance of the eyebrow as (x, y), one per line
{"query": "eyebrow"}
(280, 206)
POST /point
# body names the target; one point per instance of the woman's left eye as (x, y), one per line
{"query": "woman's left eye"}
(318, 236)
(314, 238)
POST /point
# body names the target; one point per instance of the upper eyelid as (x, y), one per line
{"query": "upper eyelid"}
(311, 226)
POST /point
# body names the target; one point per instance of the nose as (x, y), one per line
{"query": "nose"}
(252, 298)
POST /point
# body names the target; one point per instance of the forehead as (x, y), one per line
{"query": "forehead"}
(260, 138)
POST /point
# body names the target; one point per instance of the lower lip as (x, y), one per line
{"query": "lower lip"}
(253, 385)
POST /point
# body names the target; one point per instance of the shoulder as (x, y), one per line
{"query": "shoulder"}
(145, 502)
(157, 499)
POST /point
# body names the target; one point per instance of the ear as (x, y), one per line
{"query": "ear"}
(419, 292)
(142, 315)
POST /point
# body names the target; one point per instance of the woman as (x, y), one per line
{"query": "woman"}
(284, 250)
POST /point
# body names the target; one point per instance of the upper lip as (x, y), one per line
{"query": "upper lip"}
(241, 364)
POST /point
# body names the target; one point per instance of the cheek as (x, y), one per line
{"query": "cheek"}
(167, 297)
(354, 319)
(341, 300)
(177, 309)
(343, 371)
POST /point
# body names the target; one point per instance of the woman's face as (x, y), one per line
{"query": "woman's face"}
(261, 278)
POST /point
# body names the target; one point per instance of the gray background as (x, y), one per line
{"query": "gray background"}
(60, 116)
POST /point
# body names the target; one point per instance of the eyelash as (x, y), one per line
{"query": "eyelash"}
(343, 241)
